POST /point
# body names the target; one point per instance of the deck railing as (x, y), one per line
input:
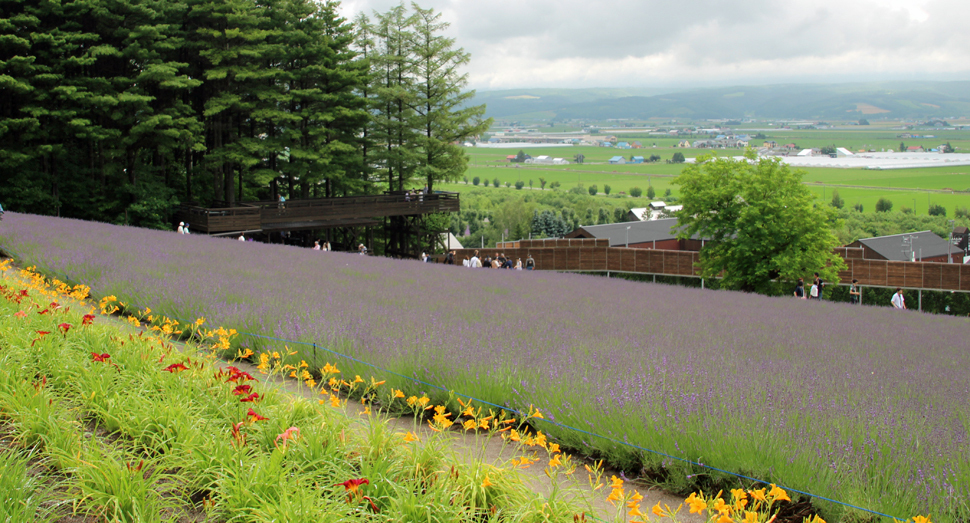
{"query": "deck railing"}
(272, 215)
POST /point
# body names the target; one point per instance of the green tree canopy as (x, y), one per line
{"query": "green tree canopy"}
(758, 220)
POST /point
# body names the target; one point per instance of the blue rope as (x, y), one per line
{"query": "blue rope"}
(555, 423)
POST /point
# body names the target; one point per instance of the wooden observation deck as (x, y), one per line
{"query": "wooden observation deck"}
(320, 213)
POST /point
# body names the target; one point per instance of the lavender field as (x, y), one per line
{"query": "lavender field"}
(867, 406)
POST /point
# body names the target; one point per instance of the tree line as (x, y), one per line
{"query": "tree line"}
(118, 111)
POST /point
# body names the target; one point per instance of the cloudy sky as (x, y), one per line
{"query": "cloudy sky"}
(698, 43)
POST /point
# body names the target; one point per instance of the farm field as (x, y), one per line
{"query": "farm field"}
(946, 186)
(744, 383)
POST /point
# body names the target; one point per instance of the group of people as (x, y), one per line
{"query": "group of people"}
(413, 195)
(183, 228)
(500, 261)
(325, 246)
(817, 290)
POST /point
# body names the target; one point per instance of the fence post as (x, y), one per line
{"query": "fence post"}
(315, 356)
(921, 300)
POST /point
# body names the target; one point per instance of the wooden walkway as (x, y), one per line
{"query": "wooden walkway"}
(320, 213)
(595, 255)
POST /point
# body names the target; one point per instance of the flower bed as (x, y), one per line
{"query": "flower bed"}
(860, 405)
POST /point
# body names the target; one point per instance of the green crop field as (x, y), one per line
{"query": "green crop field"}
(916, 188)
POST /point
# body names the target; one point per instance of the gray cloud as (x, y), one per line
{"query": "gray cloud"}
(568, 43)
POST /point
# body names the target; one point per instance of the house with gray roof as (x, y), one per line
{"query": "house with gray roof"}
(652, 234)
(914, 246)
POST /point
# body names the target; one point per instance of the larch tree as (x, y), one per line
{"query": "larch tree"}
(393, 115)
(440, 104)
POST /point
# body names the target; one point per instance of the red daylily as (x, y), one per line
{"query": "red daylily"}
(45, 311)
(20, 314)
(42, 334)
(175, 367)
(253, 417)
(237, 435)
(252, 398)
(352, 488)
(236, 375)
(88, 319)
(65, 327)
(289, 434)
(100, 357)
(242, 389)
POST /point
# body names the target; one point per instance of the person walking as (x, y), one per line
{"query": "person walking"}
(898, 301)
(185, 230)
(821, 286)
(1, 212)
(855, 293)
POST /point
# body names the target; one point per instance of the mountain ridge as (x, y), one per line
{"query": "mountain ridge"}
(920, 100)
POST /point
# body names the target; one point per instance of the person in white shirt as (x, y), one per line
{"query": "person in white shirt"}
(185, 230)
(181, 229)
(898, 301)
(475, 263)
(242, 238)
(316, 245)
(814, 294)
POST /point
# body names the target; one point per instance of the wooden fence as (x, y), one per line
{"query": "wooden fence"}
(595, 255)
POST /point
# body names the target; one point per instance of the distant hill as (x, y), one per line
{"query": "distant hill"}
(796, 101)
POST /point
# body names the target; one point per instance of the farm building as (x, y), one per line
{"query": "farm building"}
(636, 159)
(961, 238)
(915, 246)
(653, 234)
(683, 144)
(638, 214)
(622, 145)
(616, 160)
(547, 160)
(652, 213)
